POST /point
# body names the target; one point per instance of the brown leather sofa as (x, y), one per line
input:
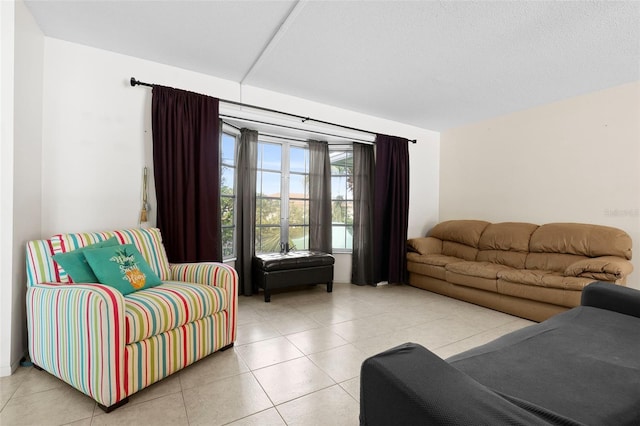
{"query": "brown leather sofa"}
(522, 269)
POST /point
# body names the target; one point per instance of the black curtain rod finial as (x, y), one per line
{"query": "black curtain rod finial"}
(135, 82)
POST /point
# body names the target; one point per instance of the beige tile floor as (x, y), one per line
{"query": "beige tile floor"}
(296, 362)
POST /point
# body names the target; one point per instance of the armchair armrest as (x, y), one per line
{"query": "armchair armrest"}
(214, 274)
(76, 333)
(612, 297)
(409, 385)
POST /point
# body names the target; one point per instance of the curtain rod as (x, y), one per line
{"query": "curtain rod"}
(316, 132)
(267, 134)
(304, 119)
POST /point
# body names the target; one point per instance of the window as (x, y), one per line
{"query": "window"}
(228, 194)
(342, 198)
(282, 196)
(298, 215)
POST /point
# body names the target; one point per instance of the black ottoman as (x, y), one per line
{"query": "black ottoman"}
(281, 270)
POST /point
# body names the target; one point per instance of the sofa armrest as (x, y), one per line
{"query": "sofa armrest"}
(603, 268)
(76, 333)
(425, 245)
(612, 297)
(214, 274)
(409, 385)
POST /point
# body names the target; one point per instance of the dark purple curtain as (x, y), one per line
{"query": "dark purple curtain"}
(391, 214)
(186, 163)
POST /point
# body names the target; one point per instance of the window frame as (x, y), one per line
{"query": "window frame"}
(285, 196)
(347, 148)
(235, 134)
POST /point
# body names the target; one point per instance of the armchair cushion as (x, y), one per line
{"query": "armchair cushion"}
(76, 265)
(122, 267)
(147, 240)
(155, 310)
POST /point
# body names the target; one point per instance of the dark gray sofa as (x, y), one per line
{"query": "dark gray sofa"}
(578, 367)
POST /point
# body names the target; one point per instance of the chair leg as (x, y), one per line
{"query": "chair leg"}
(330, 287)
(224, 348)
(114, 406)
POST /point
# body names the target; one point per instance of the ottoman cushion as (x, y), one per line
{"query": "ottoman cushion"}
(292, 260)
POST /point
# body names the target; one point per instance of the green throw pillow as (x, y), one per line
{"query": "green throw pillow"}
(122, 267)
(75, 264)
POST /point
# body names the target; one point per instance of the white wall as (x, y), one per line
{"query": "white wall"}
(97, 138)
(7, 36)
(27, 175)
(22, 57)
(576, 160)
(97, 134)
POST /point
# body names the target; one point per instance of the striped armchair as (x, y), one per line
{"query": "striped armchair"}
(110, 346)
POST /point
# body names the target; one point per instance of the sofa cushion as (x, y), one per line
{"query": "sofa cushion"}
(433, 259)
(507, 236)
(465, 232)
(155, 310)
(462, 251)
(581, 239)
(582, 364)
(513, 259)
(477, 269)
(556, 262)
(548, 279)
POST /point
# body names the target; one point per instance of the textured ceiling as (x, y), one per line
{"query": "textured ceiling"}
(431, 64)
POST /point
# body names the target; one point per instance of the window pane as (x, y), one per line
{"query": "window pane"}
(299, 237)
(268, 239)
(226, 210)
(269, 156)
(268, 211)
(349, 238)
(342, 237)
(338, 211)
(299, 160)
(349, 183)
(342, 198)
(341, 162)
(268, 184)
(338, 188)
(349, 213)
(227, 242)
(298, 212)
(338, 237)
(227, 180)
(228, 149)
(298, 186)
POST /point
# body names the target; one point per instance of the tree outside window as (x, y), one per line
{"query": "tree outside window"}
(282, 196)
(228, 194)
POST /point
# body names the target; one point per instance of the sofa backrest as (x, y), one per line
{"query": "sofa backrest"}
(41, 268)
(555, 246)
(506, 243)
(459, 237)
